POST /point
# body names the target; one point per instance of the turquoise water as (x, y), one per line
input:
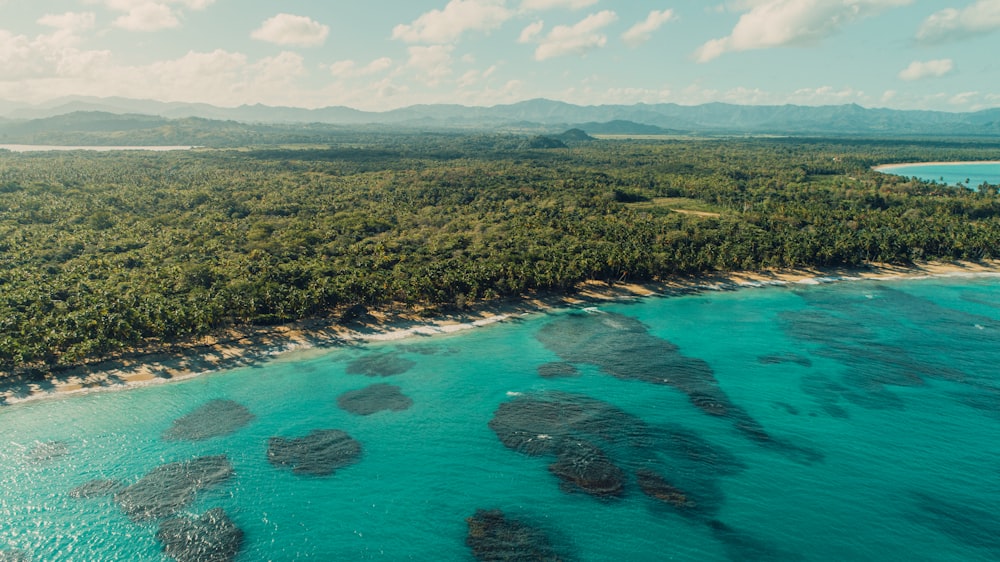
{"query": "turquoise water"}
(952, 174)
(846, 421)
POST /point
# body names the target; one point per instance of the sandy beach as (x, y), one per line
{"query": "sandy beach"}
(235, 349)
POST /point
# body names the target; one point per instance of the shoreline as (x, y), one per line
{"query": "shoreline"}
(241, 349)
(883, 167)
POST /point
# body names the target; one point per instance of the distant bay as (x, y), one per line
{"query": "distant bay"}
(967, 174)
(49, 148)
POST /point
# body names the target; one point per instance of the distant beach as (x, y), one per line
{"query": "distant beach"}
(49, 148)
(234, 348)
(884, 167)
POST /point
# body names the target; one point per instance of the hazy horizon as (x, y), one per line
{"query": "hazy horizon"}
(388, 54)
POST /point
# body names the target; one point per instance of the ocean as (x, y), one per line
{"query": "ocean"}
(832, 421)
(966, 174)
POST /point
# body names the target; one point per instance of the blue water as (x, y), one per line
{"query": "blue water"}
(966, 174)
(848, 421)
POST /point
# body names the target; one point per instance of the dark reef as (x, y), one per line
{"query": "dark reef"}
(172, 487)
(213, 537)
(385, 364)
(494, 537)
(374, 398)
(213, 419)
(320, 453)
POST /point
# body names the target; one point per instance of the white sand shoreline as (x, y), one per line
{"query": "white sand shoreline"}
(287, 341)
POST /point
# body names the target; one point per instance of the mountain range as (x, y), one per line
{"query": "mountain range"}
(534, 116)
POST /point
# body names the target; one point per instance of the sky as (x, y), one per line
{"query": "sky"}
(383, 54)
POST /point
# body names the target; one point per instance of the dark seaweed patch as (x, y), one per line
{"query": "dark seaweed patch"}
(320, 453)
(385, 364)
(742, 547)
(974, 526)
(623, 347)
(213, 419)
(47, 452)
(13, 555)
(558, 370)
(213, 537)
(95, 488)
(374, 398)
(779, 358)
(495, 537)
(657, 487)
(596, 445)
(583, 465)
(171, 487)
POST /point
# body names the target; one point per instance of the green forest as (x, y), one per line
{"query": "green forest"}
(105, 252)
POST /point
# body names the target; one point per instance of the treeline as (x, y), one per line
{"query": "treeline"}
(105, 252)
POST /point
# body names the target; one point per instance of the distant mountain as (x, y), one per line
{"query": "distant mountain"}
(621, 127)
(541, 116)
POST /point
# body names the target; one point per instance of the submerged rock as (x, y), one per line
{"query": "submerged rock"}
(622, 347)
(95, 488)
(320, 453)
(213, 419)
(495, 537)
(47, 452)
(657, 487)
(213, 537)
(779, 358)
(380, 365)
(13, 555)
(171, 487)
(374, 398)
(558, 370)
(585, 466)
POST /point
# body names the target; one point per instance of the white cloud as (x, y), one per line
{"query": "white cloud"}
(777, 23)
(642, 31)
(577, 39)
(826, 95)
(459, 16)
(350, 69)
(150, 15)
(927, 69)
(432, 63)
(53, 54)
(538, 5)
(978, 18)
(288, 29)
(529, 33)
(69, 21)
(965, 98)
(147, 17)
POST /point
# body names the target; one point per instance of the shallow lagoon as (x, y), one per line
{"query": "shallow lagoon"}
(966, 174)
(846, 421)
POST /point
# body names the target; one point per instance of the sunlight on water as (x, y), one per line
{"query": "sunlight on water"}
(844, 421)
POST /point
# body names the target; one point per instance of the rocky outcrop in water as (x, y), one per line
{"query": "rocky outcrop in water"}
(213, 537)
(622, 346)
(95, 488)
(386, 364)
(172, 487)
(13, 555)
(374, 398)
(558, 370)
(320, 453)
(47, 452)
(494, 537)
(213, 419)
(658, 488)
(583, 465)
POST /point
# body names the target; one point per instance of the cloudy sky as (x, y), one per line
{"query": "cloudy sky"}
(382, 54)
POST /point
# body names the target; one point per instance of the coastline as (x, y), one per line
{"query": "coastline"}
(237, 349)
(884, 167)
